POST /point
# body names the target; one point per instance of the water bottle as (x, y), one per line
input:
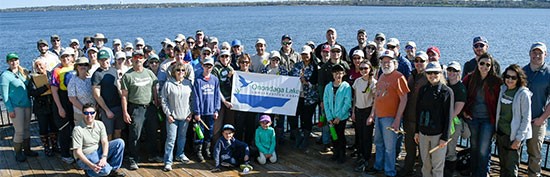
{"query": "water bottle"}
(322, 120)
(199, 131)
(161, 118)
(333, 132)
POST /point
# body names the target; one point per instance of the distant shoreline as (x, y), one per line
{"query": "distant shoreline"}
(541, 4)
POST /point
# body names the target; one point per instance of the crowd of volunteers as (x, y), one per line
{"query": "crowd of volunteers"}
(97, 106)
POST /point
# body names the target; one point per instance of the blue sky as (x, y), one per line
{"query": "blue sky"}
(34, 3)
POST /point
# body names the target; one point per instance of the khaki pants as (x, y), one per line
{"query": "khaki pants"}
(534, 147)
(21, 124)
(434, 163)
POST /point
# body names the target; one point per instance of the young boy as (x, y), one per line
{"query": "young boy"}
(265, 140)
(229, 151)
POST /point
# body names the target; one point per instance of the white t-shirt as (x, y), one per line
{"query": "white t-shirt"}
(364, 92)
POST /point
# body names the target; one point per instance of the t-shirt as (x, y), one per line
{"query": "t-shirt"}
(82, 90)
(364, 92)
(506, 114)
(88, 137)
(388, 90)
(459, 91)
(259, 62)
(50, 59)
(139, 86)
(107, 80)
(61, 77)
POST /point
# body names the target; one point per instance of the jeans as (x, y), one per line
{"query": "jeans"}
(209, 121)
(385, 141)
(177, 128)
(114, 158)
(482, 132)
(137, 114)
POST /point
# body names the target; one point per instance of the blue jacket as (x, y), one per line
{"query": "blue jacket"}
(224, 150)
(14, 90)
(265, 140)
(207, 95)
(339, 105)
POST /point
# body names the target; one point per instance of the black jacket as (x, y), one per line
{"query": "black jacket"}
(433, 111)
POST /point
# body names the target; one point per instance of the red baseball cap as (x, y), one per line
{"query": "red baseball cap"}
(434, 49)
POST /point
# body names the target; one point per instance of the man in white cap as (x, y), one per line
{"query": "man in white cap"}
(538, 75)
(117, 45)
(140, 43)
(331, 36)
(404, 65)
(51, 60)
(180, 39)
(362, 38)
(75, 45)
(99, 41)
(410, 49)
(261, 58)
(389, 105)
(213, 45)
(289, 57)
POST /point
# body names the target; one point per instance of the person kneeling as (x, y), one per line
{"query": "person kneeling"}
(265, 141)
(230, 152)
(96, 155)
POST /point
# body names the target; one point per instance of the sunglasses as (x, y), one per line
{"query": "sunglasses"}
(153, 62)
(83, 65)
(224, 56)
(419, 61)
(363, 68)
(336, 51)
(432, 72)
(139, 45)
(88, 113)
(244, 62)
(191, 42)
(371, 48)
(89, 41)
(180, 70)
(206, 53)
(207, 66)
(55, 40)
(390, 47)
(286, 43)
(480, 45)
(379, 39)
(409, 47)
(510, 77)
(452, 70)
(486, 64)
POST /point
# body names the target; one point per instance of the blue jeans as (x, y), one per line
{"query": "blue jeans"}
(208, 133)
(385, 141)
(482, 132)
(178, 127)
(114, 158)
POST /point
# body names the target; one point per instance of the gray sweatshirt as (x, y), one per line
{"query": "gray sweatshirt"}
(177, 98)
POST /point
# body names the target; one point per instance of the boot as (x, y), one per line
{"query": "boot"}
(19, 155)
(27, 148)
(199, 153)
(207, 150)
(293, 134)
(299, 138)
(53, 140)
(46, 144)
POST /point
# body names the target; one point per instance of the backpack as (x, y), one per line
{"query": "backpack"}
(463, 160)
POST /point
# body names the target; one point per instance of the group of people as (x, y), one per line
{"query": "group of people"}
(86, 99)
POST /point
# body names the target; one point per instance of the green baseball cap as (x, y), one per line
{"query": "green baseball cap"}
(103, 54)
(12, 56)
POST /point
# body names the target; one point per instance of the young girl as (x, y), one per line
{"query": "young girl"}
(362, 102)
(265, 140)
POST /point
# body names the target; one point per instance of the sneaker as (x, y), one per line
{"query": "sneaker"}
(225, 164)
(246, 166)
(116, 173)
(133, 165)
(183, 159)
(67, 160)
(155, 159)
(167, 168)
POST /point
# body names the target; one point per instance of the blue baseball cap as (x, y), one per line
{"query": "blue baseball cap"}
(228, 127)
(235, 42)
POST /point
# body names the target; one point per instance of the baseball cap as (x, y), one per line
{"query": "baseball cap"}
(226, 45)
(393, 42)
(199, 32)
(422, 55)
(128, 45)
(326, 48)
(265, 118)
(103, 54)
(42, 41)
(163, 42)
(147, 48)
(92, 49)
(82, 60)
(538, 45)
(206, 49)
(213, 40)
(382, 35)
(361, 31)
(434, 49)
(387, 53)
(274, 54)
(228, 127)
(179, 38)
(55, 36)
(359, 53)
(336, 47)
(235, 42)
(169, 43)
(260, 41)
(137, 52)
(117, 41)
(12, 56)
(99, 36)
(225, 52)
(411, 43)
(331, 29)
(455, 65)
(120, 55)
(480, 39)
(337, 67)
(433, 66)
(208, 60)
(67, 51)
(306, 49)
(139, 41)
(153, 57)
(371, 43)
(75, 41)
(286, 36)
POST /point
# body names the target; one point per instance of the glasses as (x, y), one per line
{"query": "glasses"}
(206, 53)
(207, 65)
(286, 43)
(363, 68)
(356, 58)
(335, 51)
(485, 64)
(371, 48)
(180, 70)
(139, 45)
(480, 45)
(224, 56)
(89, 41)
(452, 70)
(153, 62)
(390, 47)
(419, 61)
(432, 72)
(379, 39)
(55, 40)
(88, 113)
(506, 76)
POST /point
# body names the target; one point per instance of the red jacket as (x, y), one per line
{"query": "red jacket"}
(491, 96)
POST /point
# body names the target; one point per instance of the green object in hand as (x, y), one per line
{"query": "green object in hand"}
(161, 118)
(333, 132)
(199, 132)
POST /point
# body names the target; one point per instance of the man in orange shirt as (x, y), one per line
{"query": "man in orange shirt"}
(391, 92)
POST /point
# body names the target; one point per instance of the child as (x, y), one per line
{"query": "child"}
(229, 151)
(265, 140)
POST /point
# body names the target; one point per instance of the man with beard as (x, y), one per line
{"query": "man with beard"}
(410, 49)
(51, 60)
(362, 38)
(56, 44)
(289, 57)
(261, 58)
(480, 47)
(389, 104)
(380, 40)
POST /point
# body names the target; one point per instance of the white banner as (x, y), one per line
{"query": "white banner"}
(265, 93)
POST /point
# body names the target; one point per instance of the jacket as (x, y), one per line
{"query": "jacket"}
(339, 105)
(521, 114)
(434, 110)
(177, 99)
(14, 90)
(491, 97)
(265, 140)
(42, 104)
